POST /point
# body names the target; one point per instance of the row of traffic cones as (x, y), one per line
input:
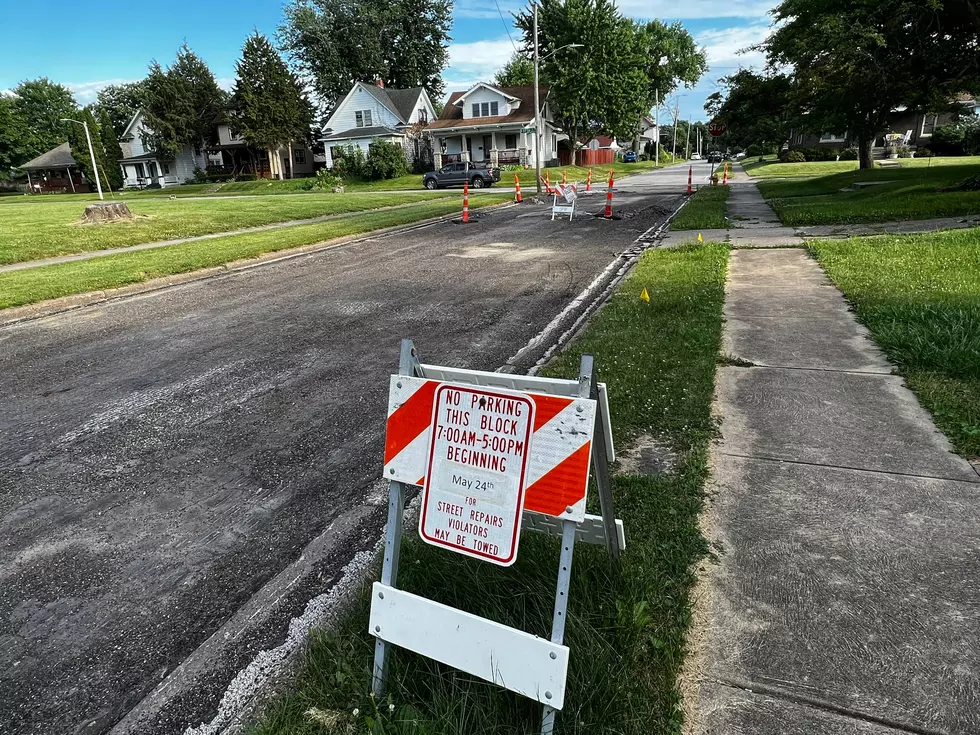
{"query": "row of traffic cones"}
(690, 178)
(518, 198)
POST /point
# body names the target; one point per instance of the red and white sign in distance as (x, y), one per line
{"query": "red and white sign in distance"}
(717, 127)
(476, 471)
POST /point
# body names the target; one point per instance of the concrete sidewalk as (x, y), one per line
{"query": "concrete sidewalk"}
(847, 596)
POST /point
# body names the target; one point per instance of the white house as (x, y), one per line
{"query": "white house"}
(232, 155)
(142, 167)
(372, 112)
(494, 124)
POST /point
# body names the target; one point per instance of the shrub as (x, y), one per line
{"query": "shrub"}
(947, 140)
(923, 152)
(386, 161)
(850, 154)
(323, 180)
(792, 157)
(200, 175)
(903, 151)
(246, 177)
(969, 184)
(349, 162)
(971, 138)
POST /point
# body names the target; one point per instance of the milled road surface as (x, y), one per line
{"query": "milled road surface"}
(163, 457)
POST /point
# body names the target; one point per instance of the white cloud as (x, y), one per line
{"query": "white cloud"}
(670, 9)
(723, 45)
(479, 58)
(85, 92)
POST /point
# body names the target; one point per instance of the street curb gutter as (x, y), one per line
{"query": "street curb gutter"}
(51, 307)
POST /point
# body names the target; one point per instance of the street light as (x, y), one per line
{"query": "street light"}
(537, 102)
(91, 153)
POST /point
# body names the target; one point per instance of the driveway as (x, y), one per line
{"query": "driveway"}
(164, 457)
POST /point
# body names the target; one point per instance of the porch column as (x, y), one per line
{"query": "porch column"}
(437, 159)
(464, 154)
(494, 153)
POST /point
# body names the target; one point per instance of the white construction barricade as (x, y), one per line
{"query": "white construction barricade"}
(568, 194)
(494, 454)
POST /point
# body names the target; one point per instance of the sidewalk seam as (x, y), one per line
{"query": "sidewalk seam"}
(822, 370)
(853, 469)
(826, 706)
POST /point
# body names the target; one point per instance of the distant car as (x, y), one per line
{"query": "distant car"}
(714, 157)
(455, 174)
(740, 155)
(629, 157)
(695, 156)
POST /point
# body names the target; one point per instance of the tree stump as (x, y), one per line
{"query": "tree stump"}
(107, 212)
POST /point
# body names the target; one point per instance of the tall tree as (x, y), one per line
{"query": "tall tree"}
(13, 137)
(335, 43)
(754, 106)
(79, 145)
(110, 149)
(517, 72)
(121, 102)
(268, 105)
(854, 62)
(41, 104)
(182, 104)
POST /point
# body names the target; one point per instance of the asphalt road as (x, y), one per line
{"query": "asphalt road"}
(164, 457)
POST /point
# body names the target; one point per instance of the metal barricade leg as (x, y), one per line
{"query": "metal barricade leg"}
(561, 608)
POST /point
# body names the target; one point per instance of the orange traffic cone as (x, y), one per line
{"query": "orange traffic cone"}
(724, 181)
(564, 177)
(547, 182)
(588, 183)
(690, 180)
(517, 189)
(609, 196)
(466, 201)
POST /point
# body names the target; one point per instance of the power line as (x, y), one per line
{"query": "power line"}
(506, 27)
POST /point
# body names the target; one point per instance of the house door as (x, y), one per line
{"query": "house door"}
(152, 169)
(469, 147)
(487, 146)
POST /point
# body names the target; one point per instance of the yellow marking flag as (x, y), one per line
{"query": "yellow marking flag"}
(700, 239)
(644, 296)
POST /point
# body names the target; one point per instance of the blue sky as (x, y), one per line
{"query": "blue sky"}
(89, 50)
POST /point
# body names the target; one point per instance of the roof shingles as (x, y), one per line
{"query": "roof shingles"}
(452, 113)
(59, 157)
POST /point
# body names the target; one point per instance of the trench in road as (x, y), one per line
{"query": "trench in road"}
(163, 457)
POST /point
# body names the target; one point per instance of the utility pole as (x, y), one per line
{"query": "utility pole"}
(656, 124)
(687, 146)
(91, 153)
(537, 111)
(677, 111)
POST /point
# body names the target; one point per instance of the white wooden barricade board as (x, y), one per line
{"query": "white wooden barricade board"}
(569, 195)
(518, 661)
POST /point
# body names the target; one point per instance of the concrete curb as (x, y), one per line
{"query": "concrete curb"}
(29, 312)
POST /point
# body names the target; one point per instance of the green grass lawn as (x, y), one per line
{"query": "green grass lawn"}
(626, 631)
(33, 229)
(111, 271)
(706, 210)
(772, 168)
(907, 194)
(920, 297)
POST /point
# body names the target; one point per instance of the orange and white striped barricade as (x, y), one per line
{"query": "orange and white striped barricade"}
(517, 190)
(466, 202)
(568, 194)
(588, 183)
(494, 453)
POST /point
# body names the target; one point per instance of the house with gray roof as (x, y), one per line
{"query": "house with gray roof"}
(143, 167)
(372, 112)
(55, 171)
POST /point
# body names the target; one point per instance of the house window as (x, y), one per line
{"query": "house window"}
(929, 124)
(510, 142)
(554, 142)
(476, 109)
(362, 118)
(485, 109)
(299, 155)
(493, 108)
(166, 168)
(832, 138)
(423, 115)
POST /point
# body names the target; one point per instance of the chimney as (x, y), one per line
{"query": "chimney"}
(381, 83)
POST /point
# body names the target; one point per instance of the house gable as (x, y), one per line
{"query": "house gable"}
(483, 100)
(375, 111)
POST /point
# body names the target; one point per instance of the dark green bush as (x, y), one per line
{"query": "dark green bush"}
(923, 152)
(246, 177)
(947, 140)
(324, 180)
(349, 162)
(386, 161)
(792, 157)
(850, 154)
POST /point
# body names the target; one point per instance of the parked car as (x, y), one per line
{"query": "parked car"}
(714, 157)
(695, 156)
(629, 157)
(455, 174)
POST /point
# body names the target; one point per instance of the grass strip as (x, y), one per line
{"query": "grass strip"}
(626, 633)
(919, 295)
(774, 169)
(34, 229)
(111, 271)
(901, 194)
(706, 210)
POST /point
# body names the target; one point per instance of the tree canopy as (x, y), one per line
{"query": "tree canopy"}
(121, 102)
(182, 104)
(268, 105)
(853, 63)
(13, 137)
(111, 151)
(608, 83)
(754, 107)
(336, 43)
(79, 145)
(517, 72)
(41, 104)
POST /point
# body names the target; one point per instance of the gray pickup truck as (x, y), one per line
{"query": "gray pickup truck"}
(455, 174)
